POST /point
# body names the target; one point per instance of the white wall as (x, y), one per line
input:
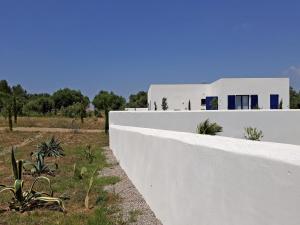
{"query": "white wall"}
(178, 95)
(136, 109)
(190, 179)
(263, 87)
(277, 125)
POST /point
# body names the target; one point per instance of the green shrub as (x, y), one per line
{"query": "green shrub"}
(164, 104)
(253, 134)
(74, 111)
(89, 154)
(209, 128)
(39, 106)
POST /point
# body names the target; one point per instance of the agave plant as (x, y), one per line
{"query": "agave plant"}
(253, 134)
(79, 174)
(209, 128)
(40, 167)
(88, 154)
(87, 197)
(30, 199)
(50, 148)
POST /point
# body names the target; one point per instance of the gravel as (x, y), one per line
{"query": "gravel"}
(132, 202)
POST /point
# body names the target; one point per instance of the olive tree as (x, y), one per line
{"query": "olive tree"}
(107, 101)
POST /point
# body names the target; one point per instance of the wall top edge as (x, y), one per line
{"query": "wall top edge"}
(286, 153)
(207, 111)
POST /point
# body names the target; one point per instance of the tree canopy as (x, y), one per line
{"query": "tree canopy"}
(294, 99)
(39, 105)
(67, 97)
(105, 100)
(138, 100)
(4, 87)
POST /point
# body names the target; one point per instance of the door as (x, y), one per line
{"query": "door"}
(274, 101)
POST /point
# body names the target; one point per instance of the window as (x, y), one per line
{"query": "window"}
(203, 101)
(274, 101)
(242, 101)
(231, 102)
(211, 103)
(254, 102)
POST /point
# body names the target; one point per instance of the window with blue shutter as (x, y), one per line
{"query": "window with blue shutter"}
(254, 102)
(231, 102)
(211, 103)
(274, 101)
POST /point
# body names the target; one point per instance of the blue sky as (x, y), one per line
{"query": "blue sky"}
(124, 46)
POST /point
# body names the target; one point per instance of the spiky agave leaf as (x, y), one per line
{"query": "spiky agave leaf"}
(5, 188)
(39, 179)
(51, 199)
(51, 148)
(87, 198)
(14, 164)
(39, 166)
(25, 200)
(82, 172)
(74, 170)
(18, 186)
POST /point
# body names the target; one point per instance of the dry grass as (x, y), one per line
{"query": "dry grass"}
(8, 139)
(56, 122)
(64, 182)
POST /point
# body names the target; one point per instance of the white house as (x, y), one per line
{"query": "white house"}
(225, 93)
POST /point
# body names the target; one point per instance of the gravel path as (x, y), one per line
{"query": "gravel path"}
(132, 201)
(51, 129)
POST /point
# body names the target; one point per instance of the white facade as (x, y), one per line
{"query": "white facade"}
(229, 93)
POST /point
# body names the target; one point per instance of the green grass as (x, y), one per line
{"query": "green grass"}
(104, 204)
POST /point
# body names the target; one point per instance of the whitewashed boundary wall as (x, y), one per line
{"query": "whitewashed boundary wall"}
(277, 125)
(190, 179)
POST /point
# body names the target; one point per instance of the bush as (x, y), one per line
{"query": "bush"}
(164, 104)
(253, 134)
(40, 105)
(71, 111)
(209, 128)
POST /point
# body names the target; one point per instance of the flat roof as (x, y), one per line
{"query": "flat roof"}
(225, 78)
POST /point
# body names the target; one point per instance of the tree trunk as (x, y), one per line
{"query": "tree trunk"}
(15, 110)
(106, 121)
(10, 122)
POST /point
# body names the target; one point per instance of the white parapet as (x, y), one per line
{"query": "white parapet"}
(277, 125)
(190, 179)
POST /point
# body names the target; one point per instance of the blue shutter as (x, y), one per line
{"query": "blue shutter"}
(209, 101)
(274, 101)
(254, 102)
(231, 101)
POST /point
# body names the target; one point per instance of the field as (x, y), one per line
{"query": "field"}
(104, 209)
(57, 122)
